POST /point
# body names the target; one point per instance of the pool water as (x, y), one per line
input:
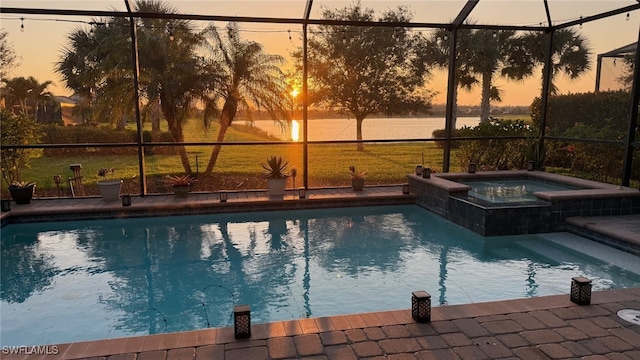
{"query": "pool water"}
(73, 281)
(510, 190)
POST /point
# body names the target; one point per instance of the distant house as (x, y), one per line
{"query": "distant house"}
(67, 106)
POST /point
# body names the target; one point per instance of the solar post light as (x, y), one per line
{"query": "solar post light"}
(581, 290)
(471, 169)
(242, 321)
(126, 200)
(426, 173)
(421, 306)
(6, 205)
(530, 166)
(405, 189)
(302, 193)
(223, 196)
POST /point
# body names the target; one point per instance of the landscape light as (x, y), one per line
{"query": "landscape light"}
(6, 205)
(581, 290)
(242, 321)
(126, 200)
(421, 306)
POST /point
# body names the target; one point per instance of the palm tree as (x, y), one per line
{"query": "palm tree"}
(16, 90)
(570, 53)
(28, 93)
(436, 53)
(244, 77)
(40, 95)
(480, 55)
(97, 65)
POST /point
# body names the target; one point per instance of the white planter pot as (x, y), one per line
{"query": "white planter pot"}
(110, 189)
(276, 187)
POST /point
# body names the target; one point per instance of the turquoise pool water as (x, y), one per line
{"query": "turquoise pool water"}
(510, 190)
(84, 280)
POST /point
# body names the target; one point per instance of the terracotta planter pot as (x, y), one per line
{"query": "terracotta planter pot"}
(110, 189)
(22, 195)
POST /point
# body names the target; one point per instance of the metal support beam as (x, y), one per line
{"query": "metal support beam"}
(136, 99)
(305, 96)
(452, 81)
(546, 84)
(633, 121)
(452, 86)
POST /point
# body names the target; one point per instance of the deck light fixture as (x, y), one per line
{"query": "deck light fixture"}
(405, 189)
(581, 290)
(6, 205)
(126, 200)
(242, 321)
(421, 306)
(471, 169)
(418, 170)
(302, 193)
(223, 196)
(530, 166)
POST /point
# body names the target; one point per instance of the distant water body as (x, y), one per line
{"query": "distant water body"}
(372, 128)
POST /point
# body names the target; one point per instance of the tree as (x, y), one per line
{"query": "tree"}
(626, 79)
(245, 78)
(41, 96)
(97, 65)
(8, 57)
(366, 70)
(480, 55)
(16, 91)
(28, 93)
(569, 55)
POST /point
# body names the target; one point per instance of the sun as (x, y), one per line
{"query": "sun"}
(294, 93)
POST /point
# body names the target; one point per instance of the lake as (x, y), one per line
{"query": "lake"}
(372, 129)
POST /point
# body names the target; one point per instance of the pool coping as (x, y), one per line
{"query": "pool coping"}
(539, 319)
(92, 208)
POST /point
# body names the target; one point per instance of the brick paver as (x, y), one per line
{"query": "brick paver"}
(567, 331)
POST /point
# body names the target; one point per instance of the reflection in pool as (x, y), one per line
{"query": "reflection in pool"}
(83, 280)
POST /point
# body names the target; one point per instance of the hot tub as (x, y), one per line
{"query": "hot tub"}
(495, 203)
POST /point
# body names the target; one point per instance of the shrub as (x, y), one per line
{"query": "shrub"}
(591, 109)
(54, 134)
(17, 130)
(498, 153)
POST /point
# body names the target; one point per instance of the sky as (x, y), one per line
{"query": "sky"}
(44, 37)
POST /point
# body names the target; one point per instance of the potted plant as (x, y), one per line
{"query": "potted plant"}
(180, 184)
(22, 192)
(109, 186)
(357, 178)
(17, 129)
(276, 174)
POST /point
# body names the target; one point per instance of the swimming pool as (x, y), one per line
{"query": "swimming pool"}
(84, 280)
(510, 190)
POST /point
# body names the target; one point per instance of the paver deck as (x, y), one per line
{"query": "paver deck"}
(550, 327)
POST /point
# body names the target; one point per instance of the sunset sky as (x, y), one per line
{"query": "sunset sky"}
(40, 44)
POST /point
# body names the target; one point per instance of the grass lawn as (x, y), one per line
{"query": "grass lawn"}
(385, 163)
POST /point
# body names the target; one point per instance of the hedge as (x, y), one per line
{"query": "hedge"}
(53, 134)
